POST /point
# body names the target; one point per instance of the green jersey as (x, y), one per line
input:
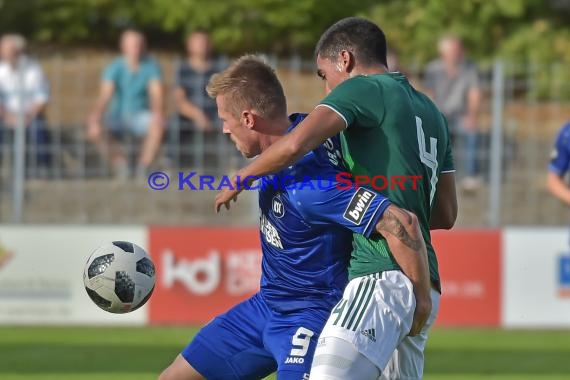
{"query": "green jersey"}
(396, 134)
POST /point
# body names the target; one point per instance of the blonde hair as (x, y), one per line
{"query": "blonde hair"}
(249, 82)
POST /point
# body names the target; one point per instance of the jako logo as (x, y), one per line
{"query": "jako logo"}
(200, 276)
(358, 205)
(294, 360)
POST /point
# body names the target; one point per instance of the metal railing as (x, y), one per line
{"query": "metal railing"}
(524, 107)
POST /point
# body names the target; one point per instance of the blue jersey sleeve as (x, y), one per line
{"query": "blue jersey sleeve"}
(321, 197)
(356, 209)
(560, 156)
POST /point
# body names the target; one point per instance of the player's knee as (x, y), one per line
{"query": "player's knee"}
(165, 375)
(341, 360)
(180, 369)
(293, 375)
(170, 374)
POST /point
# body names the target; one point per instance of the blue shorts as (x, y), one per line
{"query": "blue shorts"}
(251, 341)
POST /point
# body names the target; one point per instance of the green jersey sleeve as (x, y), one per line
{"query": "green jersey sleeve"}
(358, 101)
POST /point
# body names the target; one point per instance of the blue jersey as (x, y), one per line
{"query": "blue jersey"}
(306, 238)
(306, 227)
(560, 156)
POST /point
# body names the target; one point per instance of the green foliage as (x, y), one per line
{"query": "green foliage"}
(534, 30)
(280, 26)
(68, 21)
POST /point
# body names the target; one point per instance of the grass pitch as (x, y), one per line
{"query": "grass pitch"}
(38, 353)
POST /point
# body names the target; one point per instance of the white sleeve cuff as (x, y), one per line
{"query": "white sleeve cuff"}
(335, 111)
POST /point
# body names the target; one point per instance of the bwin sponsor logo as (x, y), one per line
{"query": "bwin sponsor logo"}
(359, 205)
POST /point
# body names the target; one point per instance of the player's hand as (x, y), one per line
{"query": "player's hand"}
(421, 314)
(229, 194)
(226, 196)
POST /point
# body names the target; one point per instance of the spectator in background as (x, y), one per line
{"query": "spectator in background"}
(23, 92)
(560, 166)
(132, 88)
(192, 102)
(197, 112)
(394, 65)
(453, 83)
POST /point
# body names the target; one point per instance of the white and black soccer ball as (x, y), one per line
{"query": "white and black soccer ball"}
(119, 277)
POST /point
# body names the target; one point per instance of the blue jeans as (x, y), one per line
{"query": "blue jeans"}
(465, 146)
(468, 140)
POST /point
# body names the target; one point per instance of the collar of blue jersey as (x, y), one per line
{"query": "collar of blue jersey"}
(295, 119)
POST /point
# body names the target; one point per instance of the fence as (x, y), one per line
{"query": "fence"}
(523, 108)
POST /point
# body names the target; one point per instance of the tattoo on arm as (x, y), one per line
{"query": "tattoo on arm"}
(392, 224)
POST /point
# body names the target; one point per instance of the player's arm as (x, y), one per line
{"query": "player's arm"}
(336, 112)
(340, 109)
(559, 166)
(444, 212)
(366, 212)
(558, 187)
(401, 230)
(444, 209)
(318, 126)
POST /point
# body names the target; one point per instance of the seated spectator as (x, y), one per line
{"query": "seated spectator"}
(130, 102)
(453, 83)
(197, 112)
(24, 94)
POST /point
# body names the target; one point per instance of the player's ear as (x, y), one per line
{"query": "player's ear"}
(248, 119)
(346, 61)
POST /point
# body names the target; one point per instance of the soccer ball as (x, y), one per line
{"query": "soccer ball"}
(119, 277)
